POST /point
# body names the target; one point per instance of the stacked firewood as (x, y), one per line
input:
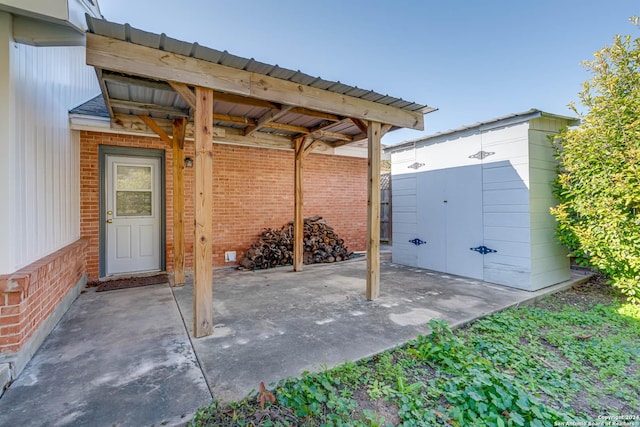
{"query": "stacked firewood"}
(275, 247)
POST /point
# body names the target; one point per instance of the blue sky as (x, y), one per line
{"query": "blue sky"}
(473, 60)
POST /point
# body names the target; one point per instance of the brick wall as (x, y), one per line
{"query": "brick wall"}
(29, 296)
(253, 189)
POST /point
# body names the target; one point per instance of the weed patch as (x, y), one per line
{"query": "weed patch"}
(571, 357)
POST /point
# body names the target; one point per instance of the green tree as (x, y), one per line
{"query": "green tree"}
(598, 186)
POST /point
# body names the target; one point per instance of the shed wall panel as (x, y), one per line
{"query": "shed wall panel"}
(550, 260)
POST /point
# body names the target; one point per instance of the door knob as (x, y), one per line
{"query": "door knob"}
(109, 221)
(109, 212)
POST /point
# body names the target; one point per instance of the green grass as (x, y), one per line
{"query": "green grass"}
(572, 357)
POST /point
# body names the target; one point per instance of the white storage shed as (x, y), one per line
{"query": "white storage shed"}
(475, 201)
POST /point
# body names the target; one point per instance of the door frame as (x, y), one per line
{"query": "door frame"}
(103, 152)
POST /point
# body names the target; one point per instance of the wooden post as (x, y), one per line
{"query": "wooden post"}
(373, 211)
(179, 128)
(202, 251)
(298, 221)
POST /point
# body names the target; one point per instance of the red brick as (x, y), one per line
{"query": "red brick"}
(9, 320)
(14, 298)
(253, 189)
(11, 309)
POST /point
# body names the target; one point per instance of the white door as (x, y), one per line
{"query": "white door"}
(133, 214)
(432, 219)
(464, 221)
(449, 207)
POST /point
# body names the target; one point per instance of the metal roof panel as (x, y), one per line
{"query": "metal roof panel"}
(161, 41)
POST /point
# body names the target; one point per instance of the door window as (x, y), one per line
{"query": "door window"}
(134, 195)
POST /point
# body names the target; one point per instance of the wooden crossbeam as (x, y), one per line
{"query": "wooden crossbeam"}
(234, 119)
(135, 81)
(266, 118)
(288, 128)
(157, 129)
(150, 108)
(331, 135)
(243, 100)
(313, 113)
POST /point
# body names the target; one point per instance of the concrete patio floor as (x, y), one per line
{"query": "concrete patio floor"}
(125, 358)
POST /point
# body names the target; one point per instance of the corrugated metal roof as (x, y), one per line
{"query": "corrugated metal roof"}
(125, 32)
(514, 118)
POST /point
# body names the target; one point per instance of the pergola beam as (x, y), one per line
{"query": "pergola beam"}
(129, 58)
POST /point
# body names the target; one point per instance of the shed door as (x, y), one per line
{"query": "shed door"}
(449, 212)
(133, 204)
(464, 223)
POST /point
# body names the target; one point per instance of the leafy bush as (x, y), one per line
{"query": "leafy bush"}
(599, 181)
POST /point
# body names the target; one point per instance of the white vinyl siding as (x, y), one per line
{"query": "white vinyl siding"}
(47, 82)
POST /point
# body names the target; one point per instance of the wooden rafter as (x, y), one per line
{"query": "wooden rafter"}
(105, 92)
(319, 114)
(151, 108)
(288, 128)
(234, 119)
(321, 134)
(267, 118)
(243, 100)
(135, 81)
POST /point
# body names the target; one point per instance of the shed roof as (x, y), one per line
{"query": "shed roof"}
(248, 101)
(513, 118)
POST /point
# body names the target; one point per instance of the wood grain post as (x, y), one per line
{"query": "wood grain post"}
(373, 211)
(179, 130)
(298, 221)
(203, 264)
